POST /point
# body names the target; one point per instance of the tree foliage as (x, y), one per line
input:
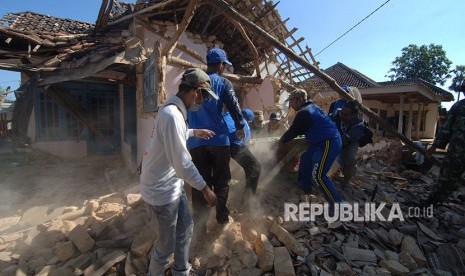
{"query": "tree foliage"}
(458, 80)
(428, 63)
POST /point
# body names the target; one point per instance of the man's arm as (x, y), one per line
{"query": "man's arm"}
(174, 140)
(355, 132)
(302, 122)
(444, 134)
(231, 102)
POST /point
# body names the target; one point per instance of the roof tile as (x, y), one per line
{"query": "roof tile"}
(34, 22)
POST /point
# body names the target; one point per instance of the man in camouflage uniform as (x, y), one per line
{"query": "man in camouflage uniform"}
(452, 173)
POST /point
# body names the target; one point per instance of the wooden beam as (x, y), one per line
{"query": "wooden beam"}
(107, 15)
(250, 43)
(101, 14)
(283, 24)
(266, 63)
(161, 66)
(266, 12)
(34, 39)
(222, 5)
(302, 74)
(87, 71)
(179, 46)
(190, 11)
(296, 43)
(110, 74)
(232, 77)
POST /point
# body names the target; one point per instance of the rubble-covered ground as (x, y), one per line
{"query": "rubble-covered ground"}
(85, 217)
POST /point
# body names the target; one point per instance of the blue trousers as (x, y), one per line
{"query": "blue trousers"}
(175, 227)
(315, 163)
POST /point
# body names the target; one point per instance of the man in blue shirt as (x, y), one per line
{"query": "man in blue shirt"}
(338, 104)
(244, 157)
(212, 156)
(350, 128)
(324, 144)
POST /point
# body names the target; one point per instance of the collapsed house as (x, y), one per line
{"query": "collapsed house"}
(92, 89)
(95, 88)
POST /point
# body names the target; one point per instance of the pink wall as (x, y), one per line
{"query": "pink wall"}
(258, 98)
(261, 98)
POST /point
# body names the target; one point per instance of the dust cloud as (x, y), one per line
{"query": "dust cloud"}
(39, 179)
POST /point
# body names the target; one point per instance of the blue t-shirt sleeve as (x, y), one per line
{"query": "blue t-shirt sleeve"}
(248, 134)
(302, 122)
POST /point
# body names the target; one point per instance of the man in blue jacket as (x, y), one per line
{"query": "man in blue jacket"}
(212, 156)
(324, 145)
(350, 127)
(243, 156)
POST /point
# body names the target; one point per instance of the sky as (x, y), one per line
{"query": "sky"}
(369, 48)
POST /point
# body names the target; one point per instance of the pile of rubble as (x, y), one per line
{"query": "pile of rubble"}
(113, 235)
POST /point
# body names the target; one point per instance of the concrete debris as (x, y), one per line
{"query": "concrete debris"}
(113, 234)
(283, 262)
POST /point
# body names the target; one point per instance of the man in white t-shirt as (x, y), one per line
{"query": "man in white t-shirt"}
(166, 165)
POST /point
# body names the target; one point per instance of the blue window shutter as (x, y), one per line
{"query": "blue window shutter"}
(150, 91)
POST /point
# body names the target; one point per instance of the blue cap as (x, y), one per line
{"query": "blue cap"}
(216, 55)
(346, 88)
(248, 114)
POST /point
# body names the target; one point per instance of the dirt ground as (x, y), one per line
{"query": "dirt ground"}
(34, 178)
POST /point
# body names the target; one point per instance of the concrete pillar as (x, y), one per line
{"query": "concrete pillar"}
(432, 117)
(417, 124)
(401, 115)
(410, 119)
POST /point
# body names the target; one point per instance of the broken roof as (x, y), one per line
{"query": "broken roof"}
(34, 22)
(51, 44)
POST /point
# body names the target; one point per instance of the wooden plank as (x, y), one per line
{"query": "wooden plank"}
(190, 11)
(232, 77)
(296, 42)
(251, 46)
(110, 74)
(80, 73)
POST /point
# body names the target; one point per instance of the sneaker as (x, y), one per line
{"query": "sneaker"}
(224, 226)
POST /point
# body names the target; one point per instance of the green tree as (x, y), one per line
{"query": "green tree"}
(458, 81)
(428, 63)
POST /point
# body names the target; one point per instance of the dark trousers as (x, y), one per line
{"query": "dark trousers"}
(315, 162)
(213, 164)
(251, 166)
(349, 158)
